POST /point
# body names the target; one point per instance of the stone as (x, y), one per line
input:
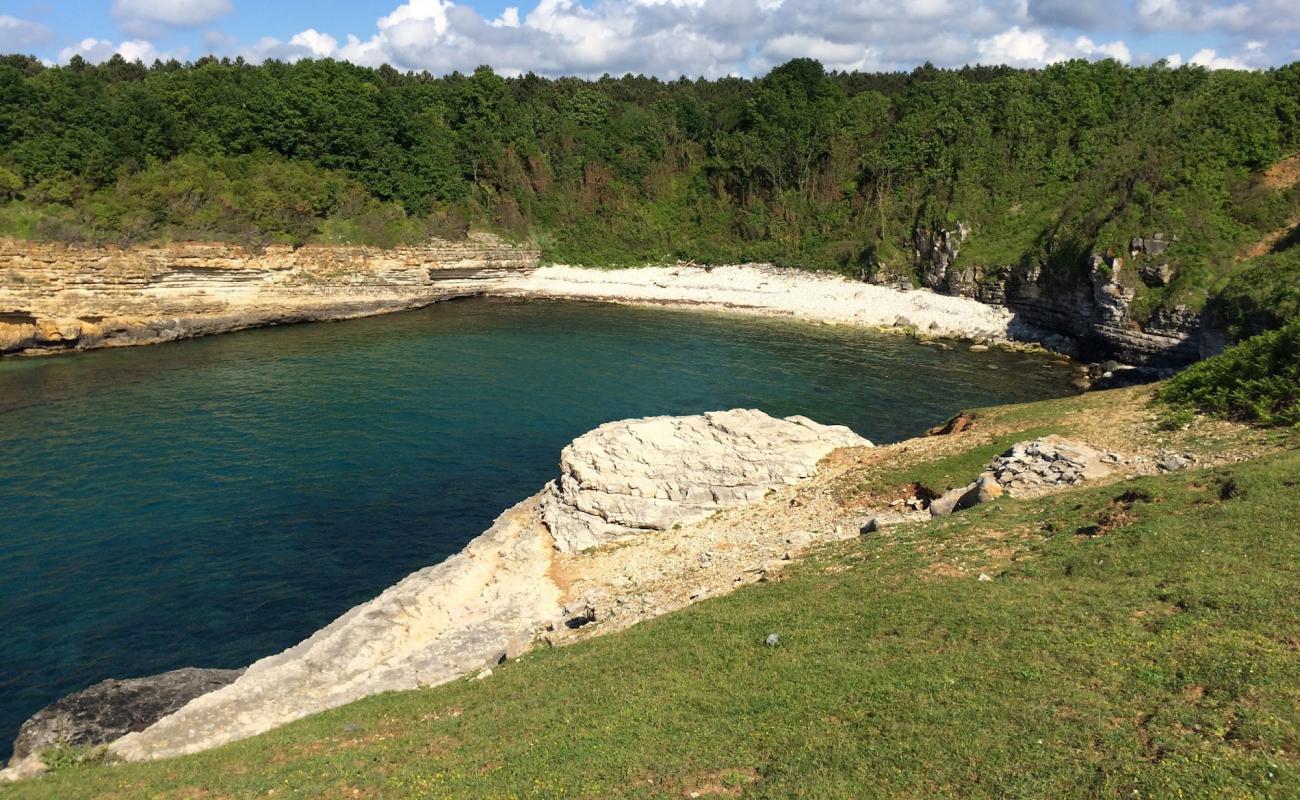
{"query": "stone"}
(903, 322)
(1154, 275)
(1173, 463)
(956, 424)
(640, 476)
(772, 640)
(870, 526)
(984, 489)
(1049, 462)
(985, 577)
(114, 708)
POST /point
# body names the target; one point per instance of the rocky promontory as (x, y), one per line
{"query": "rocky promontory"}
(56, 297)
(539, 572)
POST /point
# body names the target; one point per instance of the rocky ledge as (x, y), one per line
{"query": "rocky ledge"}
(55, 298)
(109, 710)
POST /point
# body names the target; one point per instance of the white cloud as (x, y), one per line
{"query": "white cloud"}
(151, 17)
(20, 35)
(670, 38)
(1035, 48)
(321, 45)
(1212, 60)
(99, 50)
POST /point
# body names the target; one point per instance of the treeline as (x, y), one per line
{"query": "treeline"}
(800, 166)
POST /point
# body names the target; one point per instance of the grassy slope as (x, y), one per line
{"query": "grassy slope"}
(1157, 657)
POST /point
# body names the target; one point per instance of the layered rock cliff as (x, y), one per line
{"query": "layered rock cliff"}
(1091, 315)
(59, 297)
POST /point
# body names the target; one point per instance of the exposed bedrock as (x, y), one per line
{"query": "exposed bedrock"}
(642, 475)
(59, 297)
(635, 479)
(1091, 315)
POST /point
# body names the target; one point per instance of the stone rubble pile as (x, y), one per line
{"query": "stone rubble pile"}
(1050, 462)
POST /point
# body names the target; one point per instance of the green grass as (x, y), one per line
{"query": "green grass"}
(1158, 659)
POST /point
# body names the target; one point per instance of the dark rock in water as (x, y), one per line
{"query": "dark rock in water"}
(113, 708)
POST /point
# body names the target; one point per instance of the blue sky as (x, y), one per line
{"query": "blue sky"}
(662, 37)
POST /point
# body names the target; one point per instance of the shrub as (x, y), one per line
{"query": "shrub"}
(1256, 381)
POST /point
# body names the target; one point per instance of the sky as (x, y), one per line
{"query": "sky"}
(667, 38)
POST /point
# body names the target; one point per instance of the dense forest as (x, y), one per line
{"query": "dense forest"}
(800, 167)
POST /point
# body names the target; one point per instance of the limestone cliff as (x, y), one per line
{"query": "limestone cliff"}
(1091, 315)
(60, 297)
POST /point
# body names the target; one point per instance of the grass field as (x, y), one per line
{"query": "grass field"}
(1135, 640)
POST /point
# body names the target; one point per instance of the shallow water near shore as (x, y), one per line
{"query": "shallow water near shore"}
(214, 501)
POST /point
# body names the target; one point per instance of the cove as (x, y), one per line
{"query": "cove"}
(213, 501)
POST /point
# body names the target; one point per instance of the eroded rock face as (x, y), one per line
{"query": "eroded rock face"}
(629, 477)
(56, 297)
(114, 708)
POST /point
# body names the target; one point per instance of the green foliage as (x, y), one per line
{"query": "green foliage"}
(1257, 380)
(801, 167)
(1262, 295)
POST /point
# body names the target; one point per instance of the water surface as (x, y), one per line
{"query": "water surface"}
(214, 501)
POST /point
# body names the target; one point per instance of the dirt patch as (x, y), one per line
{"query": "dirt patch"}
(957, 424)
(1117, 514)
(1282, 175)
(720, 783)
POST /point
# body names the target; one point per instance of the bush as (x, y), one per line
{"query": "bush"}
(1256, 381)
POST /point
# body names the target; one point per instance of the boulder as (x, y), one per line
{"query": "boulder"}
(633, 476)
(114, 708)
(982, 490)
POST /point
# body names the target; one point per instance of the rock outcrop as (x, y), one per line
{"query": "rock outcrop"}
(633, 476)
(437, 624)
(59, 297)
(111, 709)
(508, 586)
(1092, 317)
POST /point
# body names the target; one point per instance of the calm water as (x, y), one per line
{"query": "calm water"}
(214, 501)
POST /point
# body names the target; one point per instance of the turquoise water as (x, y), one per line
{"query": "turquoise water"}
(214, 501)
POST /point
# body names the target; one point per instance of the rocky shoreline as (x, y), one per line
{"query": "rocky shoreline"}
(766, 290)
(58, 298)
(61, 298)
(646, 516)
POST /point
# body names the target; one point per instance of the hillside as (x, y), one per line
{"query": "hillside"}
(962, 180)
(1133, 639)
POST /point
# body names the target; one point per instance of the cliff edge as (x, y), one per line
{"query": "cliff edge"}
(57, 297)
